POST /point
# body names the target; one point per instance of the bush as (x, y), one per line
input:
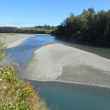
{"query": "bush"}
(16, 94)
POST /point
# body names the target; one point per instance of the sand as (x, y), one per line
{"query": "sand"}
(59, 62)
(12, 40)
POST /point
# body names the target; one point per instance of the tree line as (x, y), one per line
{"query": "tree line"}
(90, 27)
(46, 29)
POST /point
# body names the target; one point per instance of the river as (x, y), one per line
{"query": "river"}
(60, 96)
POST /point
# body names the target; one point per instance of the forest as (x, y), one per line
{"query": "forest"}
(90, 28)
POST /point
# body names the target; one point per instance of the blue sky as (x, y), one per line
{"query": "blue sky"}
(40, 12)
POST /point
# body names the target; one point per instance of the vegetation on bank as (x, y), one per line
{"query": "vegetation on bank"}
(90, 27)
(37, 29)
(16, 94)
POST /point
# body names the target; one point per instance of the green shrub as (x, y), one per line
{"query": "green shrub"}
(8, 73)
(16, 94)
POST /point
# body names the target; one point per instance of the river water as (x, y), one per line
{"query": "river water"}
(60, 96)
(23, 52)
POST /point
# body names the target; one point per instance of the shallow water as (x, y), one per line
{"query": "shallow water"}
(22, 54)
(60, 97)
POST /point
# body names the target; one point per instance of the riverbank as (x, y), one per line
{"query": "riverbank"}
(69, 84)
(12, 39)
(101, 51)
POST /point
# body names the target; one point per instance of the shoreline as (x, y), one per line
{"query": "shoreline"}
(12, 40)
(16, 43)
(62, 83)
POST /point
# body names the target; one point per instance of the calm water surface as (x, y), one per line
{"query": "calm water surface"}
(60, 97)
(68, 97)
